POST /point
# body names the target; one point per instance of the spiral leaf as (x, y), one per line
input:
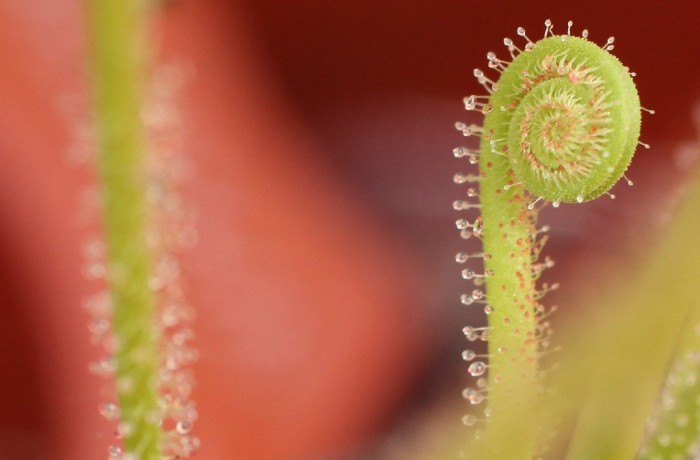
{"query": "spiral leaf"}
(569, 116)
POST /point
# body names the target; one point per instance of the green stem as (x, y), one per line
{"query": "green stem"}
(507, 238)
(115, 35)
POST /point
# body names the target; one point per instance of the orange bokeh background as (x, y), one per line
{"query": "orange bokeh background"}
(319, 136)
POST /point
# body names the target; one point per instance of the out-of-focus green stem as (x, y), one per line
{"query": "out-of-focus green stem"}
(116, 50)
(659, 304)
(673, 428)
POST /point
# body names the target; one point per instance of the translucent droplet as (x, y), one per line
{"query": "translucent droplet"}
(473, 396)
(183, 427)
(109, 411)
(461, 257)
(470, 101)
(98, 326)
(183, 336)
(476, 398)
(468, 355)
(462, 224)
(154, 418)
(102, 368)
(125, 385)
(579, 198)
(468, 420)
(473, 336)
(99, 304)
(477, 294)
(459, 205)
(192, 413)
(94, 248)
(468, 274)
(466, 299)
(95, 270)
(189, 444)
(476, 369)
(114, 451)
(478, 226)
(459, 178)
(156, 284)
(124, 429)
(488, 309)
(170, 316)
(556, 204)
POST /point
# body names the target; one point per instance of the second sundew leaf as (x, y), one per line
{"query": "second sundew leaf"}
(149, 346)
(637, 340)
(115, 31)
(673, 431)
(561, 125)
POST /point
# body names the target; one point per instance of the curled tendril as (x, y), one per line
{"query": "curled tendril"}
(567, 116)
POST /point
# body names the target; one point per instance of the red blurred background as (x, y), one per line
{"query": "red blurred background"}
(320, 137)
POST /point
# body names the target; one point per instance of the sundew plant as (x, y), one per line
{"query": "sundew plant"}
(561, 123)
(562, 120)
(313, 316)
